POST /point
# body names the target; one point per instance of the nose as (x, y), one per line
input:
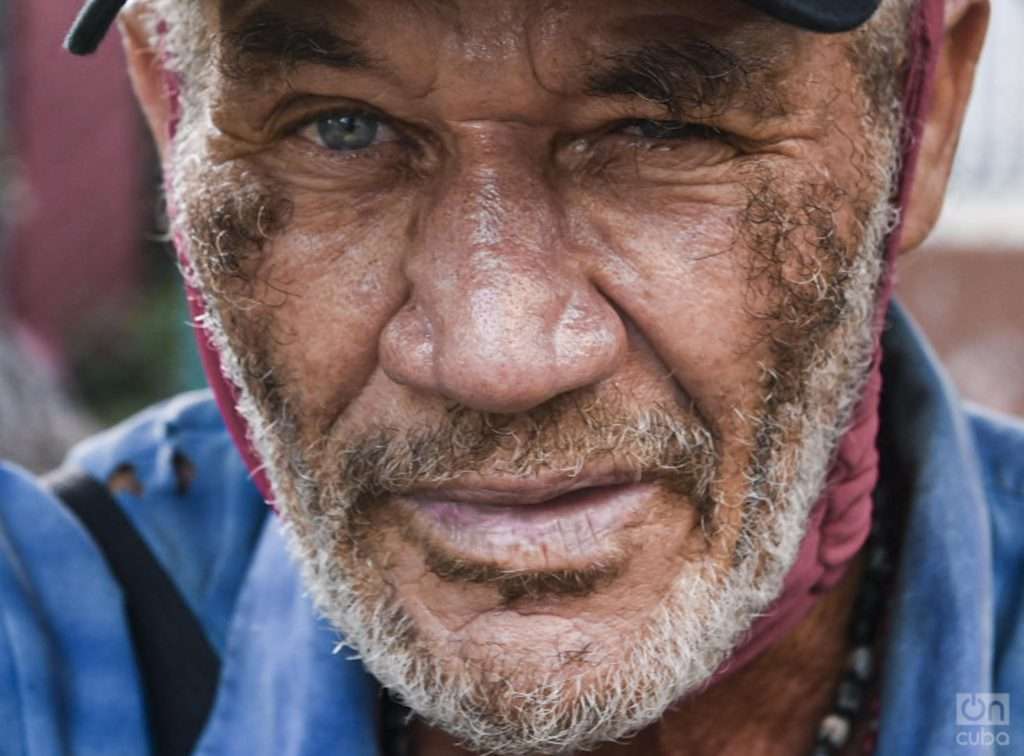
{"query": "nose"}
(501, 316)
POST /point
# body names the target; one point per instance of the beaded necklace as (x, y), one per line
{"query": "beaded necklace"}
(851, 700)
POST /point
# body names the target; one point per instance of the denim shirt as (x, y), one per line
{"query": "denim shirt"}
(69, 683)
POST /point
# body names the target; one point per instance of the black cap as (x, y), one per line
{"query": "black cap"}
(827, 16)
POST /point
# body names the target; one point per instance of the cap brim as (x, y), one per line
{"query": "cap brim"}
(830, 16)
(92, 25)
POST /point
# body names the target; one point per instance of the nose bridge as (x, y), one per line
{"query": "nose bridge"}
(495, 200)
(501, 317)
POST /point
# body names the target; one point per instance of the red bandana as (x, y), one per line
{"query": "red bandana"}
(841, 520)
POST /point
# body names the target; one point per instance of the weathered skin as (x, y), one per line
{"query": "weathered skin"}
(511, 239)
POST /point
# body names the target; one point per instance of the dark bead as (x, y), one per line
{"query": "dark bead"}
(823, 749)
(850, 696)
(878, 562)
(870, 601)
(862, 630)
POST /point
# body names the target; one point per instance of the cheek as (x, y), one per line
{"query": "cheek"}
(326, 287)
(678, 271)
(729, 284)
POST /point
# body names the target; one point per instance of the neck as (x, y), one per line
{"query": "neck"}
(771, 707)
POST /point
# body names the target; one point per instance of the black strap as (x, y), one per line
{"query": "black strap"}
(180, 669)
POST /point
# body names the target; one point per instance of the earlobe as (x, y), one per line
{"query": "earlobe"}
(149, 79)
(966, 24)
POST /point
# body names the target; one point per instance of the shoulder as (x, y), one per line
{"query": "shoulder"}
(178, 477)
(999, 442)
(64, 639)
(189, 419)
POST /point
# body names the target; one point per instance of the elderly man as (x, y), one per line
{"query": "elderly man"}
(553, 332)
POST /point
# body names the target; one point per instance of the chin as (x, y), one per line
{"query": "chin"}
(545, 665)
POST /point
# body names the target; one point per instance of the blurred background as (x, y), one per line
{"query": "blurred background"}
(92, 321)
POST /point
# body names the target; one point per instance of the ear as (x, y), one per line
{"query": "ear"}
(149, 77)
(966, 24)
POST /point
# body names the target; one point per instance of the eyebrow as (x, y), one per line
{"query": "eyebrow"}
(268, 41)
(684, 76)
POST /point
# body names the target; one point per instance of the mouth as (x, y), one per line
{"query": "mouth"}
(538, 524)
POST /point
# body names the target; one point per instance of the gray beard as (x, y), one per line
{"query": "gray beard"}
(523, 703)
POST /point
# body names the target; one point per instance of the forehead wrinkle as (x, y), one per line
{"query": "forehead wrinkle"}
(232, 12)
(730, 63)
(260, 36)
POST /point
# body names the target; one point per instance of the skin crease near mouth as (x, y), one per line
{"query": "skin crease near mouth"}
(558, 242)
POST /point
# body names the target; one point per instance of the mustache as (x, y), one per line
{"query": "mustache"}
(566, 436)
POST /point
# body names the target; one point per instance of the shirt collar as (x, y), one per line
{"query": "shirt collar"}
(940, 633)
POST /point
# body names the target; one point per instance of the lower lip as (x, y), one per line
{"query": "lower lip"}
(578, 522)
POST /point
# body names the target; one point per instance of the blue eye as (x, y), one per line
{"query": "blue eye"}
(346, 132)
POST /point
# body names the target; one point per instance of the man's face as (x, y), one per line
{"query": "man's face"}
(547, 317)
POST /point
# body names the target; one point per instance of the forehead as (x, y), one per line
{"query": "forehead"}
(495, 18)
(415, 39)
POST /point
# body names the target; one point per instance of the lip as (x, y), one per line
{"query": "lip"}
(520, 493)
(536, 524)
